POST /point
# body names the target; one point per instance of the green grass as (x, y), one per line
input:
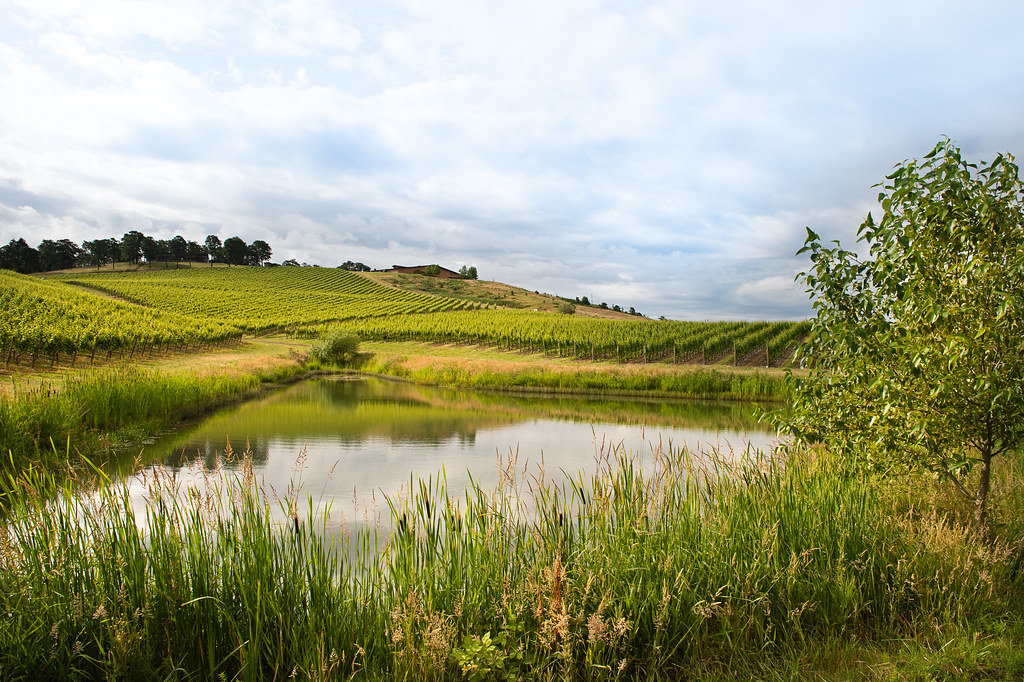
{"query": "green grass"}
(122, 403)
(689, 566)
(706, 384)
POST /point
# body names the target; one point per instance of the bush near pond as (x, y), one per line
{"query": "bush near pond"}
(338, 347)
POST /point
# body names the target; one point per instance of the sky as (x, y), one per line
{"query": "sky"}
(665, 156)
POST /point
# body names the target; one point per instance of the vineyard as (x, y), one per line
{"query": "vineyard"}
(260, 299)
(203, 305)
(45, 319)
(763, 343)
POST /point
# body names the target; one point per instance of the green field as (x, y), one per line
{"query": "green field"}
(307, 300)
(42, 317)
(258, 299)
(793, 567)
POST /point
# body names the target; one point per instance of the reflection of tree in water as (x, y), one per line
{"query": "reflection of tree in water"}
(214, 453)
(349, 412)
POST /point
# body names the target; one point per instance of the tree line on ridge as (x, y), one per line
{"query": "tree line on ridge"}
(134, 247)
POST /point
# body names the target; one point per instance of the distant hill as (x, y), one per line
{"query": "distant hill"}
(493, 294)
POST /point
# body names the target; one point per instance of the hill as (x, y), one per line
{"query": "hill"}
(491, 294)
(402, 307)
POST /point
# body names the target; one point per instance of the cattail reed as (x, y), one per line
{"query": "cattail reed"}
(646, 567)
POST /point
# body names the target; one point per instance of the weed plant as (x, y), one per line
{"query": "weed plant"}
(643, 569)
(118, 401)
(698, 384)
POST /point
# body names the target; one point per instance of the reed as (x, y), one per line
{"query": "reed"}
(35, 425)
(701, 384)
(644, 568)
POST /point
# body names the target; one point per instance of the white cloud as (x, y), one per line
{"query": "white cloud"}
(662, 155)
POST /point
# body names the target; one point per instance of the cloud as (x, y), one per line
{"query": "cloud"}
(660, 155)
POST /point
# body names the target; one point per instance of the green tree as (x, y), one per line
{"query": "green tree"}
(19, 256)
(235, 251)
(150, 249)
(213, 247)
(179, 248)
(194, 252)
(57, 255)
(131, 246)
(432, 270)
(337, 347)
(916, 352)
(261, 251)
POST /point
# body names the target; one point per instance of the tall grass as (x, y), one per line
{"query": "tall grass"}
(699, 384)
(36, 422)
(641, 569)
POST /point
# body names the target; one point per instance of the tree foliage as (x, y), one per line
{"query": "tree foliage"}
(338, 347)
(916, 352)
(260, 251)
(235, 251)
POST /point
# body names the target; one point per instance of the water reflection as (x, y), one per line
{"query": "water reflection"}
(348, 442)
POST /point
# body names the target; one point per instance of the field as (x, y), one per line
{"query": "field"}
(700, 568)
(44, 318)
(307, 300)
(258, 299)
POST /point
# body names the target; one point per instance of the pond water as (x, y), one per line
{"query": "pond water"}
(349, 442)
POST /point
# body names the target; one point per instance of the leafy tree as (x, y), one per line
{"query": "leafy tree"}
(260, 251)
(471, 272)
(291, 262)
(338, 347)
(179, 248)
(131, 246)
(235, 251)
(432, 270)
(213, 248)
(95, 252)
(114, 249)
(916, 352)
(163, 247)
(194, 252)
(19, 256)
(150, 249)
(354, 267)
(57, 255)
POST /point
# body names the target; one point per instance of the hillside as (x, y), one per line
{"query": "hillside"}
(257, 299)
(385, 307)
(492, 294)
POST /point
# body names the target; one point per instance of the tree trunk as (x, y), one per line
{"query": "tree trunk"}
(981, 499)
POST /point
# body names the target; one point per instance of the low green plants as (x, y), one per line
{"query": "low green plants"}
(483, 658)
(706, 384)
(338, 347)
(651, 566)
(125, 400)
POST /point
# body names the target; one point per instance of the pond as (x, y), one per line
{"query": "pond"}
(349, 442)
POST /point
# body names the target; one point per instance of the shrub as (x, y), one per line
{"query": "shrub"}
(338, 347)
